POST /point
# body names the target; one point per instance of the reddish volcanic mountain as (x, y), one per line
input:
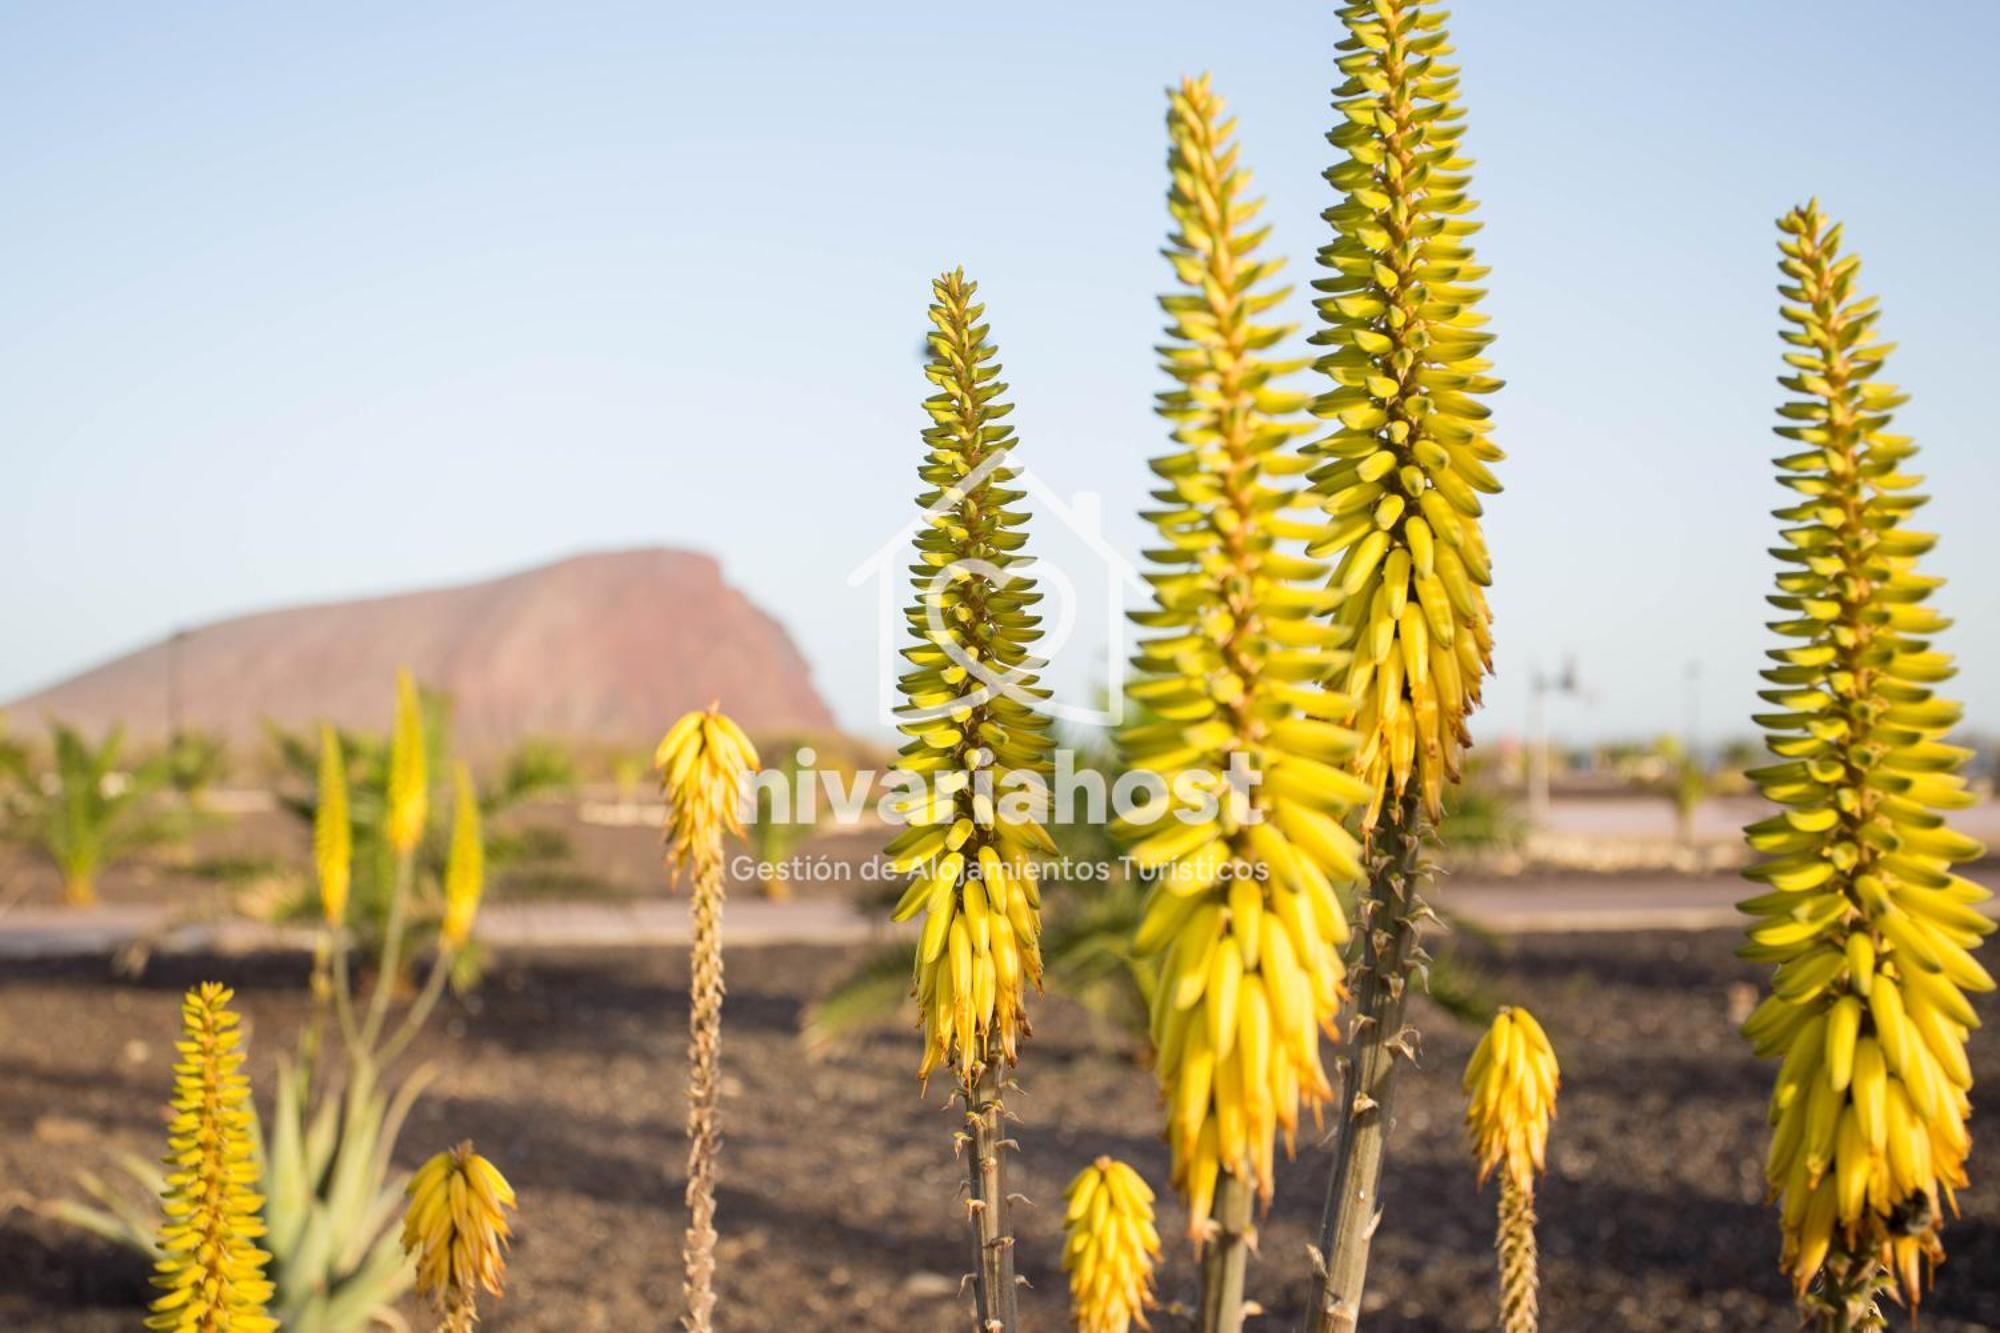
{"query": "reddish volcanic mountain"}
(608, 647)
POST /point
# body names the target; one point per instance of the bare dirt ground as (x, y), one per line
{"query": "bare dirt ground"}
(838, 1204)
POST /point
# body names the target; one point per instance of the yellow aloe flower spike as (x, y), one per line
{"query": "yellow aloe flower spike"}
(1400, 474)
(1112, 1247)
(1407, 460)
(333, 830)
(704, 762)
(973, 773)
(465, 864)
(456, 1226)
(1870, 929)
(210, 1269)
(1510, 1086)
(409, 781)
(1243, 917)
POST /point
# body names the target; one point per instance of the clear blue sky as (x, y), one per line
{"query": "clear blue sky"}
(304, 302)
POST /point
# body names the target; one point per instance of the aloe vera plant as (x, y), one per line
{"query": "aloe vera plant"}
(325, 1150)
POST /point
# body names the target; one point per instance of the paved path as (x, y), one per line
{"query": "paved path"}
(1529, 905)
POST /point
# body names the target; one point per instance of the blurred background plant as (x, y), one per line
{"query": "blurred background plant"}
(325, 1153)
(196, 761)
(1480, 816)
(536, 768)
(628, 775)
(781, 827)
(1684, 780)
(83, 811)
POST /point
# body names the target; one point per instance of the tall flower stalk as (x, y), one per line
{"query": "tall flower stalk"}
(1510, 1086)
(975, 766)
(704, 762)
(1242, 915)
(211, 1271)
(1401, 475)
(1869, 927)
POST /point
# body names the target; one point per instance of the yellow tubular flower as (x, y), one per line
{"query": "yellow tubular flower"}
(465, 864)
(456, 1226)
(1243, 911)
(1112, 1247)
(975, 740)
(1870, 929)
(1510, 1084)
(211, 1268)
(409, 780)
(333, 830)
(1407, 460)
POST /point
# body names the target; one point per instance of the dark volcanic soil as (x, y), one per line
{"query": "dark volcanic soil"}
(838, 1193)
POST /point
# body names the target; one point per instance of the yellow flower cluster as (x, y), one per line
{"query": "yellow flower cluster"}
(1243, 916)
(457, 1227)
(703, 760)
(1407, 461)
(464, 866)
(210, 1267)
(409, 793)
(1869, 928)
(1112, 1247)
(333, 832)
(1510, 1084)
(975, 738)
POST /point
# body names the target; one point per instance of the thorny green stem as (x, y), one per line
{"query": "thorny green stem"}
(1844, 1301)
(993, 1286)
(1226, 1256)
(1391, 921)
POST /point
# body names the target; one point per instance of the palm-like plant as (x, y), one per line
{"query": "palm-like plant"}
(1242, 919)
(195, 762)
(1869, 927)
(1401, 477)
(85, 814)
